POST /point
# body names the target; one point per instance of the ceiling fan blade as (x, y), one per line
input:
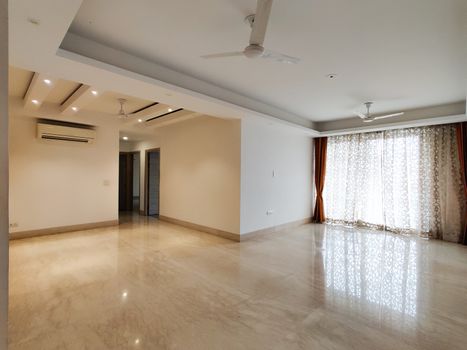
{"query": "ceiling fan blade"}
(224, 54)
(279, 57)
(389, 115)
(361, 115)
(258, 32)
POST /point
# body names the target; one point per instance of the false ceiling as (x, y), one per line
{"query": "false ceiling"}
(40, 95)
(400, 54)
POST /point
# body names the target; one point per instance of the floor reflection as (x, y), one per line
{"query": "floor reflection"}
(376, 269)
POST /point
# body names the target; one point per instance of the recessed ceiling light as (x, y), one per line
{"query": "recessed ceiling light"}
(137, 341)
(35, 102)
(140, 120)
(169, 110)
(74, 109)
(94, 92)
(331, 76)
(48, 81)
(125, 138)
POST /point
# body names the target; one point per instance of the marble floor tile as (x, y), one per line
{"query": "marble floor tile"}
(148, 284)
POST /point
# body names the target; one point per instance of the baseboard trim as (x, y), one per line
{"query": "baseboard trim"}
(213, 231)
(61, 229)
(278, 228)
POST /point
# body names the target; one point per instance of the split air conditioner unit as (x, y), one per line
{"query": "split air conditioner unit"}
(67, 132)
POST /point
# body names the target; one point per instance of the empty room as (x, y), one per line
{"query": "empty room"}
(233, 174)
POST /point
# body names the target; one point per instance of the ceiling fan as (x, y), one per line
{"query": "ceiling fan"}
(122, 113)
(368, 117)
(255, 49)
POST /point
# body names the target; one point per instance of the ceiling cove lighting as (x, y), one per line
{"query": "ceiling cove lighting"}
(35, 102)
(47, 81)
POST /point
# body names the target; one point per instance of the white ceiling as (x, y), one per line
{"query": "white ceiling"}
(401, 53)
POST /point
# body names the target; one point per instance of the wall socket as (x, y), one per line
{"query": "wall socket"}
(14, 225)
(270, 212)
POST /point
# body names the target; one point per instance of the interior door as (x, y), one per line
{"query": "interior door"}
(125, 182)
(153, 161)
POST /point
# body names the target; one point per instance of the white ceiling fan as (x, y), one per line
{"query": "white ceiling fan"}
(121, 112)
(368, 117)
(255, 49)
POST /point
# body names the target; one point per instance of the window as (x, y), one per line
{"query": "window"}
(405, 180)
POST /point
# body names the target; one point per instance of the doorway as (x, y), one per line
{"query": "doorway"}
(129, 182)
(152, 182)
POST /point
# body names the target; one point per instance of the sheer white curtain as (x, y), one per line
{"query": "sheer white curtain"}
(405, 180)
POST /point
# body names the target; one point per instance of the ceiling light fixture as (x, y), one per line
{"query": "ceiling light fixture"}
(75, 109)
(331, 76)
(140, 120)
(35, 102)
(125, 138)
(48, 81)
(169, 110)
(94, 92)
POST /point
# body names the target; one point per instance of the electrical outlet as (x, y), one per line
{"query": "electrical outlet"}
(269, 212)
(106, 182)
(14, 225)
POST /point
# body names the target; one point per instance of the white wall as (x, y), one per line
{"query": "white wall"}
(265, 149)
(199, 171)
(214, 172)
(54, 184)
(3, 174)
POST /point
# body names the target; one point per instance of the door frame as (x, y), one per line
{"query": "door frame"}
(129, 183)
(146, 182)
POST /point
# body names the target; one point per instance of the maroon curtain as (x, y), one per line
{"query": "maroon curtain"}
(321, 144)
(462, 147)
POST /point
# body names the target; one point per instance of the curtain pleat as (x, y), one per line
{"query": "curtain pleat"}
(462, 150)
(320, 173)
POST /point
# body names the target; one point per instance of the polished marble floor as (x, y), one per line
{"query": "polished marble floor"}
(152, 285)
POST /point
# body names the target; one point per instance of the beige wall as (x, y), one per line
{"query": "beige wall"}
(54, 184)
(3, 174)
(200, 171)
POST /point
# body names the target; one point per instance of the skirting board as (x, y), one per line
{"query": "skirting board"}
(278, 228)
(234, 236)
(61, 229)
(212, 231)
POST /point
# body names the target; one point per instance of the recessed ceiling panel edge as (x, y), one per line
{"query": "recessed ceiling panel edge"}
(172, 79)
